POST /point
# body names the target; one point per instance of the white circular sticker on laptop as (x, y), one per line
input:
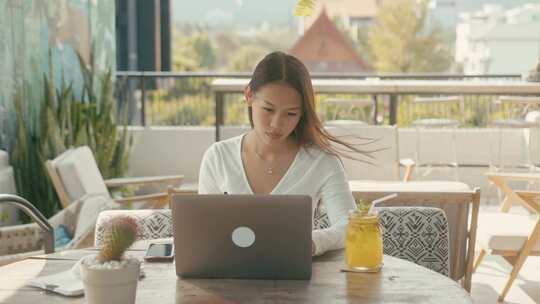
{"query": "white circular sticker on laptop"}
(243, 237)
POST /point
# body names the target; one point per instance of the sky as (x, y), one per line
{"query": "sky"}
(235, 12)
(254, 13)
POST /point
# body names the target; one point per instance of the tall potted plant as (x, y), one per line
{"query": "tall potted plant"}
(61, 119)
(111, 277)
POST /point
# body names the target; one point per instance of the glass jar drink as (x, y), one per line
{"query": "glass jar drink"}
(363, 244)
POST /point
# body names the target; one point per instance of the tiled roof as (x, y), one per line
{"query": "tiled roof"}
(323, 48)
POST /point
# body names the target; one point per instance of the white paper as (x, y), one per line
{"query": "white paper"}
(66, 283)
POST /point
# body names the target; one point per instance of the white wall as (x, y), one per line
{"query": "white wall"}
(172, 150)
(179, 150)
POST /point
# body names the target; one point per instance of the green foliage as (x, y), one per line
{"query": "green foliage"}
(192, 51)
(235, 110)
(362, 44)
(277, 39)
(47, 127)
(362, 206)
(187, 110)
(399, 41)
(119, 234)
(38, 138)
(246, 58)
(203, 49)
(95, 124)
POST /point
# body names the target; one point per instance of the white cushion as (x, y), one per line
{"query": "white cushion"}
(4, 159)
(79, 173)
(92, 205)
(7, 186)
(503, 231)
(7, 181)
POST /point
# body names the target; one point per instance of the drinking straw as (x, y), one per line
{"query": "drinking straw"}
(380, 200)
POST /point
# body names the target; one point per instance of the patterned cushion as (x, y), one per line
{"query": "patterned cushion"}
(416, 234)
(153, 223)
(157, 224)
(320, 218)
(20, 238)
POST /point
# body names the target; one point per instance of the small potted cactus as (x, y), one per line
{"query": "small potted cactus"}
(109, 276)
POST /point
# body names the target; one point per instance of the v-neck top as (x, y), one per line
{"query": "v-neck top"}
(242, 137)
(313, 172)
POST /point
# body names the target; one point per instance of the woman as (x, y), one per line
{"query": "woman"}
(286, 152)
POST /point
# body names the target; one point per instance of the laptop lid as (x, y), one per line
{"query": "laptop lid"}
(242, 236)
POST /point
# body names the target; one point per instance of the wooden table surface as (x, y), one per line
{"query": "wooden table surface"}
(399, 281)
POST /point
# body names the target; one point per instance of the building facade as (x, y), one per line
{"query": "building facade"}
(496, 40)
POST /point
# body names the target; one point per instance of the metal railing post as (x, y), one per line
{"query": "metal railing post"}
(219, 114)
(143, 101)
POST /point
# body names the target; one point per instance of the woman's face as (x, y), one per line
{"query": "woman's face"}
(276, 110)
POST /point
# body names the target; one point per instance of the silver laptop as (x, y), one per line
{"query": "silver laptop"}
(242, 236)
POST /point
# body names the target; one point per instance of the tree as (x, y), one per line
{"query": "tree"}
(192, 50)
(203, 49)
(246, 58)
(227, 42)
(400, 42)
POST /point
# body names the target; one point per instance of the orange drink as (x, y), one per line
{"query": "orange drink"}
(363, 244)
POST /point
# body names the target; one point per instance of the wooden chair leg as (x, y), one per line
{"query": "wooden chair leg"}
(156, 204)
(513, 275)
(479, 259)
(523, 254)
(408, 173)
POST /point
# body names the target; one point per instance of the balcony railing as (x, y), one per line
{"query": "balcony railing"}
(190, 98)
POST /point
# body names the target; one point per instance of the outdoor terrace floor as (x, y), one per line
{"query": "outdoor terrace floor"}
(491, 276)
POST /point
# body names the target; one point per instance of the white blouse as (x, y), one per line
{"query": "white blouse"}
(313, 172)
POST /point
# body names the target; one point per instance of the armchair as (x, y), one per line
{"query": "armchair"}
(74, 174)
(460, 205)
(513, 236)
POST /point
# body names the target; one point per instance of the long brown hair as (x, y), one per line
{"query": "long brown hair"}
(281, 67)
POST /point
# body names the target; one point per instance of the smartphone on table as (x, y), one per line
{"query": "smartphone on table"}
(159, 252)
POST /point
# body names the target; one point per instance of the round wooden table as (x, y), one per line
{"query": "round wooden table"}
(399, 281)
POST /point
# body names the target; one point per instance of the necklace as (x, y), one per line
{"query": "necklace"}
(269, 169)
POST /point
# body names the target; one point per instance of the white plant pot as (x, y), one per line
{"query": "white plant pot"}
(117, 286)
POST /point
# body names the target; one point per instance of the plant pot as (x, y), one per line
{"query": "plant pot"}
(118, 285)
